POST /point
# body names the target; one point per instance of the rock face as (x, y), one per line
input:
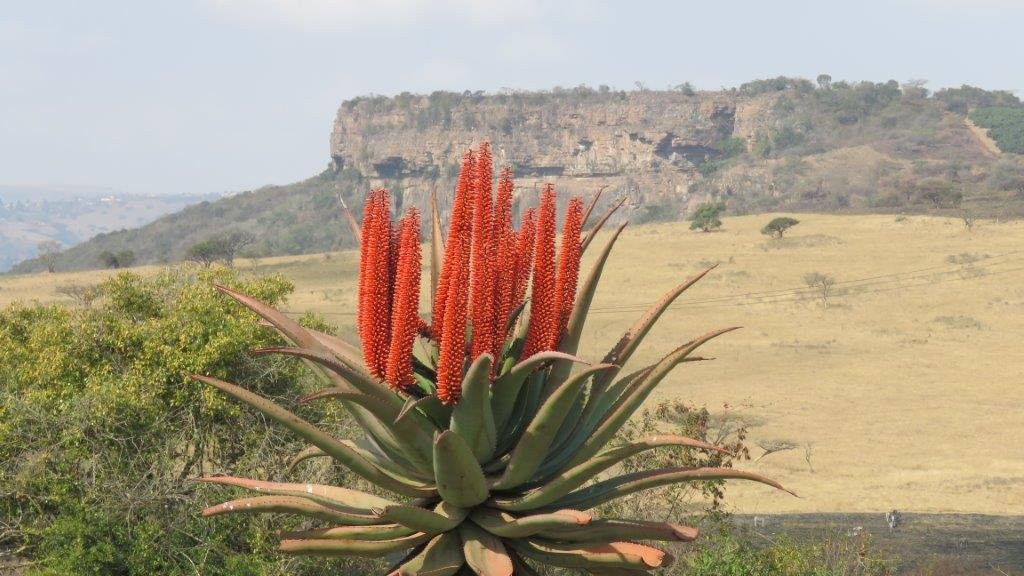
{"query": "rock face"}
(641, 143)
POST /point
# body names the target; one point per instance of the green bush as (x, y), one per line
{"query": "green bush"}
(101, 433)
(1005, 125)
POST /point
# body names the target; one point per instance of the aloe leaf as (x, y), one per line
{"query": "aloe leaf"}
(346, 352)
(442, 556)
(593, 204)
(506, 525)
(291, 505)
(306, 454)
(625, 485)
(613, 529)
(361, 548)
(336, 497)
(484, 552)
(320, 439)
(600, 224)
(460, 480)
(436, 245)
(352, 376)
(291, 329)
(444, 518)
(431, 407)
(472, 418)
(634, 396)
(412, 434)
(587, 556)
(533, 446)
(401, 470)
(630, 341)
(569, 480)
(520, 565)
(581, 308)
(506, 388)
(376, 532)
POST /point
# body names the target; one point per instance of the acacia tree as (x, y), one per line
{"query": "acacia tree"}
(823, 283)
(48, 252)
(778, 226)
(225, 246)
(706, 217)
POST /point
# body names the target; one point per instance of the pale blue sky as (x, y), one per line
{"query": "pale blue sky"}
(218, 95)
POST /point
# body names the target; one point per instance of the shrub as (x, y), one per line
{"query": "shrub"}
(706, 217)
(778, 226)
(1005, 125)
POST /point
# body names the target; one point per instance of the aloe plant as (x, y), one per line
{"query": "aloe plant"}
(483, 424)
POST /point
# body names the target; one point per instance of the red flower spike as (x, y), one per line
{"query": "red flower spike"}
(481, 303)
(525, 241)
(543, 329)
(458, 226)
(505, 265)
(376, 283)
(405, 320)
(569, 263)
(453, 340)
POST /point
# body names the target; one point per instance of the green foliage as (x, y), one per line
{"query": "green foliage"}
(100, 432)
(119, 259)
(222, 247)
(1005, 125)
(726, 555)
(966, 98)
(707, 217)
(778, 226)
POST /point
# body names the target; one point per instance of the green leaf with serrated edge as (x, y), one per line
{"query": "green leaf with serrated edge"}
(352, 377)
(377, 532)
(431, 407)
(509, 434)
(581, 308)
(345, 352)
(605, 530)
(534, 444)
(444, 517)
(343, 454)
(460, 480)
(506, 388)
(400, 470)
(631, 339)
(291, 505)
(360, 548)
(569, 480)
(442, 556)
(306, 454)
(484, 552)
(413, 433)
(634, 397)
(613, 488)
(586, 556)
(472, 418)
(342, 499)
(592, 233)
(506, 525)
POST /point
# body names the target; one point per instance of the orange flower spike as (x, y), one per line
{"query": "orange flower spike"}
(460, 224)
(525, 241)
(405, 320)
(453, 341)
(481, 303)
(505, 265)
(375, 283)
(543, 329)
(568, 263)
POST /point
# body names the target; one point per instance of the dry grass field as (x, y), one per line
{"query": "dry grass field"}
(905, 391)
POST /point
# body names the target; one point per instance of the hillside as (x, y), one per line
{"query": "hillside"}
(31, 215)
(914, 350)
(777, 144)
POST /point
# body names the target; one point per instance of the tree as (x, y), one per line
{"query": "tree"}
(823, 283)
(706, 217)
(223, 246)
(48, 252)
(778, 226)
(119, 259)
(968, 218)
(824, 81)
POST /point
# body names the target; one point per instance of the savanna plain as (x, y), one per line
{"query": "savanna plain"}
(900, 386)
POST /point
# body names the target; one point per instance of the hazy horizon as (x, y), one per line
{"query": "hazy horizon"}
(215, 96)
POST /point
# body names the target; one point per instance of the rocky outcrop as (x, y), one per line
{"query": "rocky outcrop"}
(645, 143)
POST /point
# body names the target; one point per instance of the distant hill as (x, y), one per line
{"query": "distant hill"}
(30, 215)
(769, 145)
